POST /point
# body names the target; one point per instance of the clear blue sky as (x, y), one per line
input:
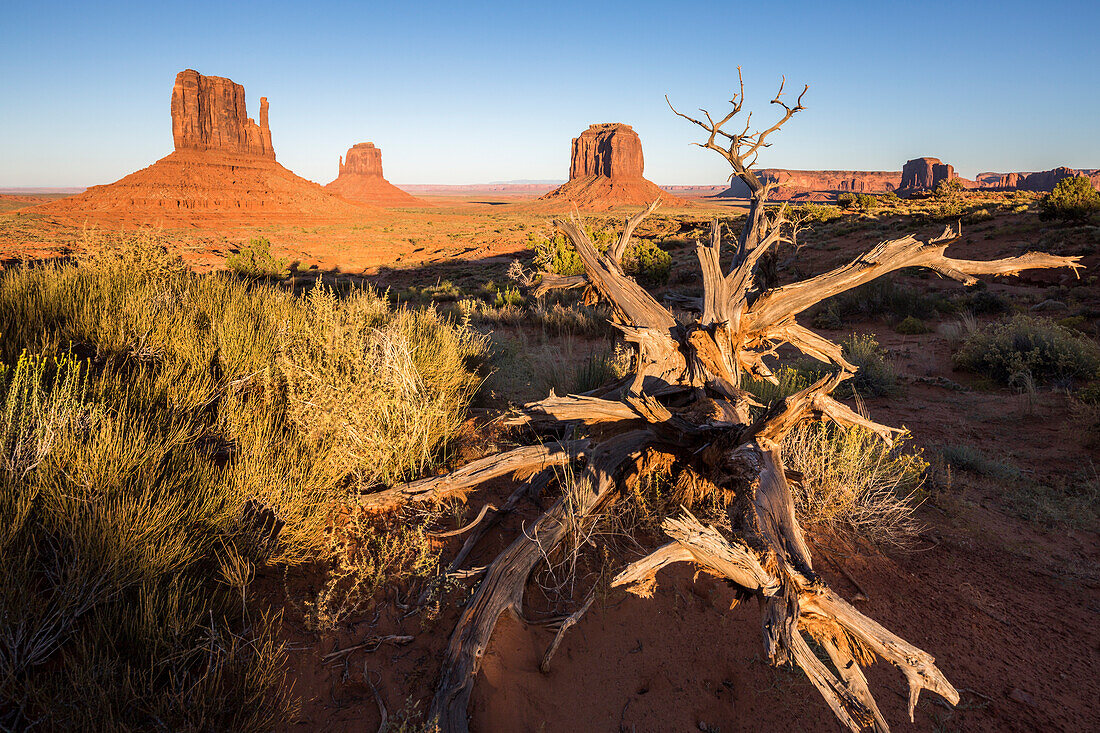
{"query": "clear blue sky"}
(473, 92)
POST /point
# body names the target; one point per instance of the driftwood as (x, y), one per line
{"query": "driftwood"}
(685, 399)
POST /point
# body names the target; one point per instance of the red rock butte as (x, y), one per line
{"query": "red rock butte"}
(605, 171)
(223, 165)
(924, 174)
(360, 179)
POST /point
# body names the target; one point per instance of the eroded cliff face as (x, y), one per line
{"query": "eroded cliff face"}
(209, 113)
(792, 183)
(610, 150)
(362, 159)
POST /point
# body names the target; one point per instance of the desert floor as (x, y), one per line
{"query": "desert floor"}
(1002, 589)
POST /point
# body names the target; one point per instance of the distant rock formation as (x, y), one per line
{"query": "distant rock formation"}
(208, 113)
(1040, 181)
(793, 184)
(924, 174)
(223, 165)
(360, 179)
(605, 171)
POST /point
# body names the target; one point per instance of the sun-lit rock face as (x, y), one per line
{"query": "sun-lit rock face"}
(924, 174)
(209, 113)
(610, 149)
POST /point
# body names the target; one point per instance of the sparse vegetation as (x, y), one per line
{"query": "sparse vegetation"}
(643, 258)
(857, 201)
(876, 377)
(1037, 347)
(255, 260)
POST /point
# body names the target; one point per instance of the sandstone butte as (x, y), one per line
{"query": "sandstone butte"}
(360, 179)
(223, 165)
(605, 171)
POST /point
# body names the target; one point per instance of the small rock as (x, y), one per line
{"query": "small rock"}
(1049, 305)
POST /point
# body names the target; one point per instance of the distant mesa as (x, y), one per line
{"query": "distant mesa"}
(223, 164)
(605, 171)
(924, 174)
(816, 185)
(360, 179)
(1040, 181)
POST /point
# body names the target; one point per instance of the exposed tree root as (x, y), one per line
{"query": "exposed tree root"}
(685, 399)
(526, 460)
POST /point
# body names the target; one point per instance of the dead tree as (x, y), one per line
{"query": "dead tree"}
(685, 401)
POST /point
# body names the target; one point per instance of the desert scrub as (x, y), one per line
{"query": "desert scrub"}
(969, 458)
(255, 260)
(382, 389)
(648, 263)
(643, 258)
(1020, 345)
(816, 213)
(789, 379)
(884, 296)
(111, 520)
(368, 553)
(602, 367)
(875, 377)
(156, 452)
(853, 482)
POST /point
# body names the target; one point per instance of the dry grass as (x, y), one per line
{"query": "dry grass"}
(163, 436)
(853, 482)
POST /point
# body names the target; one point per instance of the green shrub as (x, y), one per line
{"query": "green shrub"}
(643, 259)
(911, 325)
(1073, 199)
(865, 202)
(509, 296)
(647, 262)
(977, 215)
(846, 200)
(789, 380)
(948, 190)
(875, 377)
(600, 368)
(1025, 345)
(820, 213)
(969, 458)
(556, 254)
(884, 296)
(256, 261)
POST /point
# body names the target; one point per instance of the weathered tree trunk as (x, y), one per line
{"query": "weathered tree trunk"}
(715, 437)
